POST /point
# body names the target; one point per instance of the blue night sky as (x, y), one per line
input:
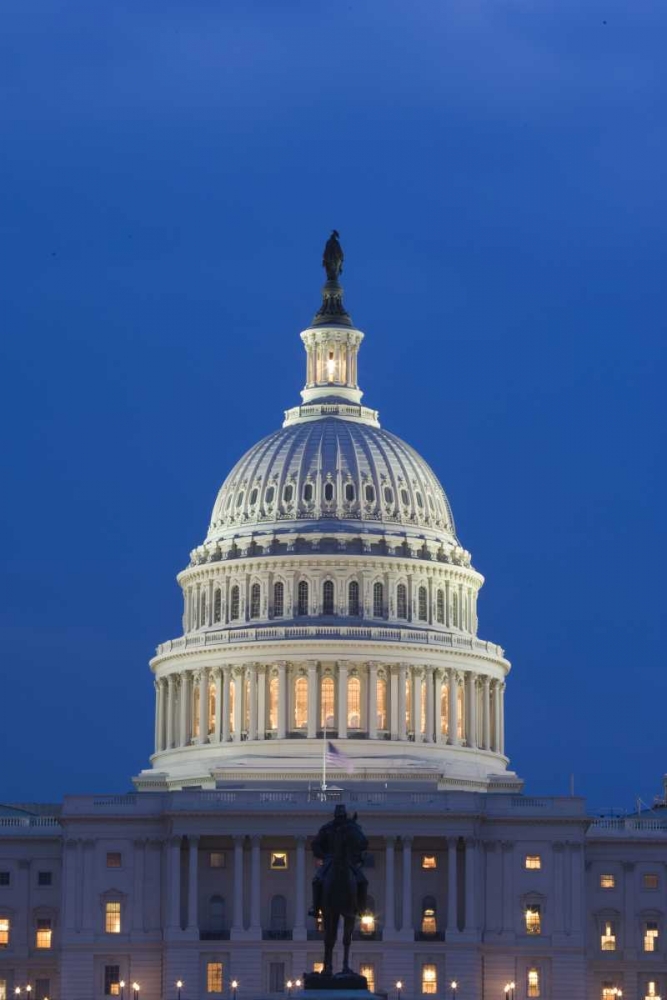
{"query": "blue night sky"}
(169, 174)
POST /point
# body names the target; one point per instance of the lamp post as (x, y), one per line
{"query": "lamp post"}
(290, 984)
(399, 987)
(235, 986)
(454, 987)
(135, 991)
(509, 990)
(179, 987)
(122, 989)
(297, 983)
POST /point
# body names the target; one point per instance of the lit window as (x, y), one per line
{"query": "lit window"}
(318, 966)
(608, 937)
(369, 972)
(278, 600)
(114, 859)
(382, 702)
(3, 989)
(112, 918)
(533, 919)
(234, 604)
(607, 881)
(354, 703)
(367, 923)
(279, 860)
(5, 878)
(273, 703)
(302, 598)
(651, 936)
(533, 986)
(255, 597)
(353, 599)
(533, 862)
(429, 979)
(111, 980)
(301, 703)
(43, 935)
(650, 880)
(44, 878)
(4, 932)
(444, 710)
(216, 859)
(378, 600)
(214, 977)
(422, 604)
(651, 990)
(327, 597)
(429, 861)
(609, 991)
(401, 601)
(429, 922)
(327, 718)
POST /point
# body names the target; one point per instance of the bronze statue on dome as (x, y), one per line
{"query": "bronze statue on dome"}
(332, 260)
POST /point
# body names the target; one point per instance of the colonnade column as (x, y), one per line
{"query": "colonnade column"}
(389, 901)
(238, 703)
(158, 713)
(406, 922)
(312, 699)
(282, 700)
(174, 870)
(453, 708)
(372, 701)
(508, 892)
(486, 713)
(501, 705)
(171, 700)
(252, 712)
(237, 923)
(402, 729)
(428, 680)
(226, 672)
(193, 895)
(261, 700)
(393, 701)
(255, 885)
(203, 707)
(342, 698)
(495, 745)
(452, 887)
(216, 675)
(300, 902)
(417, 678)
(439, 736)
(471, 698)
(470, 865)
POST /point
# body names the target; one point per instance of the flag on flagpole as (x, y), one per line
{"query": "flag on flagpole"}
(337, 758)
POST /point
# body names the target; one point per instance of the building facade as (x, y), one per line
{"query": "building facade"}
(331, 604)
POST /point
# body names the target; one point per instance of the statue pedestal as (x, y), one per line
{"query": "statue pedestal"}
(341, 984)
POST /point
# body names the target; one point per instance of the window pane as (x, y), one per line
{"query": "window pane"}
(429, 979)
(302, 598)
(354, 703)
(4, 932)
(353, 598)
(608, 937)
(382, 703)
(278, 860)
(216, 859)
(650, 881)
(533, 983)
(112, 918)
(328, 598)
(301, 703)
(43, 935)
(607, 881)
(327, 719)
(378, 600)
(214, 977)
(278, 600)
(114, 859)
(429, 861)
(255, 595)
(533, 862)
(369, 972)
(401, 601)
(111, 980)
(533, 920)
(273, 703)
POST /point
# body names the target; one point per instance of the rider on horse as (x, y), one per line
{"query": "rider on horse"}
(323, 847)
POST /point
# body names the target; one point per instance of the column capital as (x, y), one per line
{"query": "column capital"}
(175, 840)
(215, 673)
(452, 843)
(238, 839)
(300, 839)
(407, 841)
(470, 842)
(260, 669)
(255, 839)
(193, 839)
(390, 840)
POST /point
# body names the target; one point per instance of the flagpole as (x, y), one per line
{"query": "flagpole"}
(324, 757)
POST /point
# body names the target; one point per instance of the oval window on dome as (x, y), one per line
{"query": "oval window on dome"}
(253, 498)
(308, 492)
(269, 495)
(229, 501)
(388, 495)
(369, 493)
(405, 499)
(288, 493)
(239, 499)
(328, 492)
(420, 502)
(349, 492)
(430, 503)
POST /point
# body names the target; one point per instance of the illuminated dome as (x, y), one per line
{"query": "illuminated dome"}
(330, 600)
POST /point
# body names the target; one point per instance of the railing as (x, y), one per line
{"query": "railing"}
(357, 633)
(29, 821)
(631, 824)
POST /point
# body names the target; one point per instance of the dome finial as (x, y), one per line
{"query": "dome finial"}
(332, 312)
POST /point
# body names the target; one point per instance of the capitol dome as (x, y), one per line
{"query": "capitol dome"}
(330, 609)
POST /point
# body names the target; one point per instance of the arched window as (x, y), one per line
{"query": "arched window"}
(401, 601)
(255, 600)
(327, 719)
(354, 703)
(378, 600)
(216, 914)
(196, 712)
(278, 914)
(234, 604)
(308, 492)
(301, 703)
(369, 493)
(405, 499)
(420, 502)
(278, 600)
(388, 495)
(382, 702)
(211, 708)
(253, 497)
(302, 598)
(273, 703)
(328, 492)
(328, 597)
(444, 711)
(440, 607)
(288, 493)
(202, 615)
(455, 610)
(422, 603)
(353, 598)
(429, 919)
(349, 492)
(217, 606)
(269, 495)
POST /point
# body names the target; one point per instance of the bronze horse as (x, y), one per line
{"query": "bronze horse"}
(339, 899)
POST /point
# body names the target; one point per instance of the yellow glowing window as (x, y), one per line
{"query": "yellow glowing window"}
(650, 880)
(301, 703)
(318, 966)
(429, 923)
(4, 932)
(533, 920)
(651, 936)
(279, 860)
(533, 989)
(114, 859)
(651, 990)
(429, 979)
(429, 861)
(112, 918)
(214, 977)
(382, 702)
(367, 923)
(273, 703)
(3, 989)
(114, 989)
(354, 703)
(609, 991)
(216, 859)
(43, 935)
(533, 862)
(608, 937)
(607, 881)
(327, 696)
(369, 972)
